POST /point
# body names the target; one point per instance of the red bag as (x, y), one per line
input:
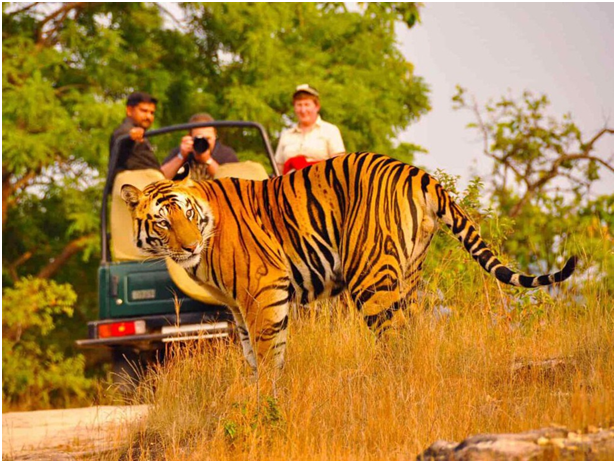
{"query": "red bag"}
(296, 163)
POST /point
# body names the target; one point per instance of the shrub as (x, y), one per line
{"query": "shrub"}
(35, 373)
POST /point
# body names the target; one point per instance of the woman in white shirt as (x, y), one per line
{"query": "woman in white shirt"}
(312, 139)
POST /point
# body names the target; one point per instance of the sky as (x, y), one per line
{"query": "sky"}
(565, 50)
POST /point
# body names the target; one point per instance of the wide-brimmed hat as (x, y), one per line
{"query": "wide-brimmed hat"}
(305, 88)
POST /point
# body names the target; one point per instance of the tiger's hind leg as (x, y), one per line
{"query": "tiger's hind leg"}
(386, 306)
(382, 308)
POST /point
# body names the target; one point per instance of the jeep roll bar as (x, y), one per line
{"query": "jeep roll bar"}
(113, 161)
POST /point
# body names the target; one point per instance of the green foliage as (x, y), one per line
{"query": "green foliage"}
(43, 226)
(450, 273)
(67, 69)
(543, 171)
(34, 370)
(267, 415)
(262, 51)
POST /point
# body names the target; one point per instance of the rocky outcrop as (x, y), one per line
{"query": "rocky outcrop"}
(555, 443)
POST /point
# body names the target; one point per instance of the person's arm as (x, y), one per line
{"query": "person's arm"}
(171, 167)
(126, 147)
(207, 159)
(279, 156)
(335, 143)
(136, 134)
(172, 164)
(212, 167)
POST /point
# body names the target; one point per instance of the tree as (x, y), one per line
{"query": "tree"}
(259, 52)
(66, 68)
(35, 370)
(543, 170)
(533, 151)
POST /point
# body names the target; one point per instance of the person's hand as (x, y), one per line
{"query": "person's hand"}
(186, 146)
(136, 134)
(204, 157)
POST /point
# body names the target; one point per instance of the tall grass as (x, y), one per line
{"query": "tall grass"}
(345, 395)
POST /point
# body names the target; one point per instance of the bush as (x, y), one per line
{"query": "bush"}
(36, 374)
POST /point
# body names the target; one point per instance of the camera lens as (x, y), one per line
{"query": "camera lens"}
(200, 145)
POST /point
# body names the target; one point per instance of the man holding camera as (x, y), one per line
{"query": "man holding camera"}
(199, 153)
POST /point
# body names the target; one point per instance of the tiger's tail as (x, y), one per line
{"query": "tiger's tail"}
(465, 230)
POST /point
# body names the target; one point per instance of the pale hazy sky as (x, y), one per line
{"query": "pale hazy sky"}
(565, 50)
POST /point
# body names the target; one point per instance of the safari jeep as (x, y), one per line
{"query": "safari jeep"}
(146, 304)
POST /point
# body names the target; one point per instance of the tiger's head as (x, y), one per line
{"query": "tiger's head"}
(169, 221)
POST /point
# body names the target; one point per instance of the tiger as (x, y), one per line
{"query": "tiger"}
(360, 222)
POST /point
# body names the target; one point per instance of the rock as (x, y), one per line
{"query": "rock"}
(554, 443)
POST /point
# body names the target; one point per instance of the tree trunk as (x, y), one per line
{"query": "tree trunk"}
(6, 193)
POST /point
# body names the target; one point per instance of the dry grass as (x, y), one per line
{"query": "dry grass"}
(345, 396)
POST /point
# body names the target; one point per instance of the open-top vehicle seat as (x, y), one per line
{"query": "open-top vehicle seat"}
(248, 170)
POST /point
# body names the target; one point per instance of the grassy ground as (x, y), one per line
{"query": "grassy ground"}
(344, 395)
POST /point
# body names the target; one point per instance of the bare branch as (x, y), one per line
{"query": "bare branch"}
(594, 139)
(12, 267)
(486, 137)
(60, 90)
(177, 22)
(9, 189)
(518, 207)
(576, 180)
(573, 157)
(62, 13)
(69, 251)
(508, 164)
(21, 10)
(482, 126)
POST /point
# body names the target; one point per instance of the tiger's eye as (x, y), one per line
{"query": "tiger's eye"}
(190, 213)
(164, 224)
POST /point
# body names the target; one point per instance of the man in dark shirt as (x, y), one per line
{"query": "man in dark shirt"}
(136, 165)
(199, 158)
(136, 152)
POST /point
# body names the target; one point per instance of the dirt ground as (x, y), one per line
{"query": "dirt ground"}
(65, 434)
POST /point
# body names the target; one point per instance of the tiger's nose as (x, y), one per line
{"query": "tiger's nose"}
(190, 247)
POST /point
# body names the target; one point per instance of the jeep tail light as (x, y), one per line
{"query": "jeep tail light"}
(117, 329)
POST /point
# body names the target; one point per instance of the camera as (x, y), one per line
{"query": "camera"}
(200, 145)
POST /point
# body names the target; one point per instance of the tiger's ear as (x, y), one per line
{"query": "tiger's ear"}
(131, 195)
